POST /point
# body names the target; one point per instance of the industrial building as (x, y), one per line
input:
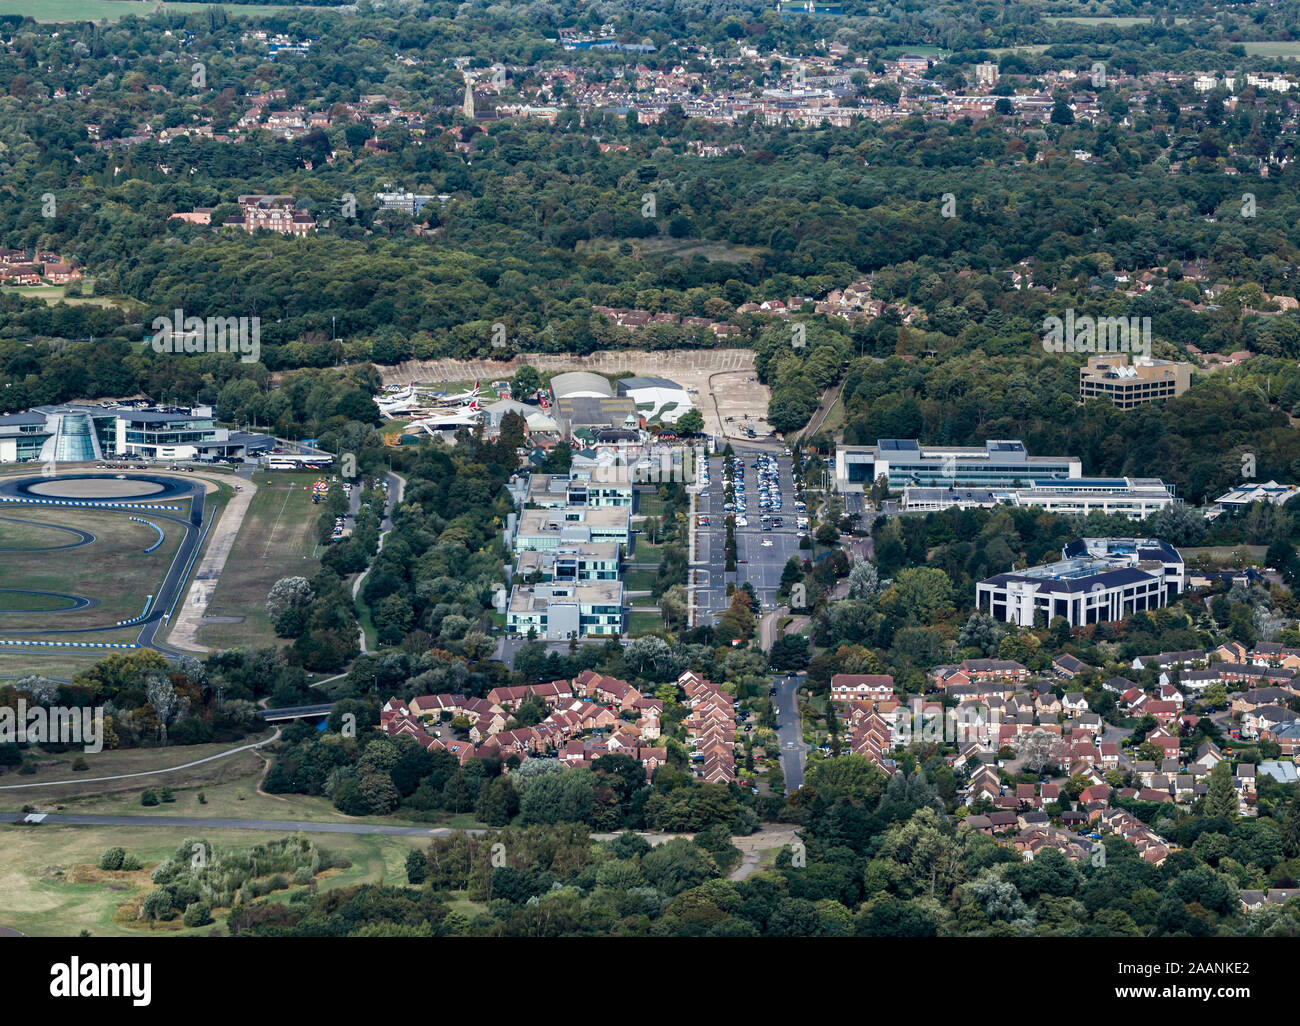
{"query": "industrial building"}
(657, 398)
(581, 399)
(1096, 580)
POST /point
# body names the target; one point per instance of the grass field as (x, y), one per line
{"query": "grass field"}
(56, 666)
(639, 580)
(644, 552)
(116, 10)
(22, 602)
(1229, 553)
(648, 504)
(642, 622)
(50, 884)
(114, 569)
(1289, 48)
(277, 540)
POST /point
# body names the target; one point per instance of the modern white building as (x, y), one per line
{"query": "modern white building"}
(1239, 498)
(590, 562)
(543, 529)
(1133, 497)
(82, 432)
(1096, 580)
(580, 488)
(905, 462)
(567, 610)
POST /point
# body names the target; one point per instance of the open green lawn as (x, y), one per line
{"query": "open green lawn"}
(1283, 48)
(229, 787)
(639, 580)
(114, 570)
(277, 539)
(648, 504)
(644, 552)
(641, 622)
(1252, 553)
(58, 666)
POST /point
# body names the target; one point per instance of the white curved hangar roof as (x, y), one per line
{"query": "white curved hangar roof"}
(580, 385)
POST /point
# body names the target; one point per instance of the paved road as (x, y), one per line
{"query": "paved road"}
(145, 773)
(788, 730)
(396, 485)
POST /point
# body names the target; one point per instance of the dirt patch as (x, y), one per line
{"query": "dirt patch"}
(117, 879)
(726, 375)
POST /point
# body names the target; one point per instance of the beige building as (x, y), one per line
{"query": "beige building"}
(1130, 384)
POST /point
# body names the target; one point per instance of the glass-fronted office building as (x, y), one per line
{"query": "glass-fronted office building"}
(906, 463)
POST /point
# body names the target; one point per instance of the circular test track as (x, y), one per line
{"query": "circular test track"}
(17, 492)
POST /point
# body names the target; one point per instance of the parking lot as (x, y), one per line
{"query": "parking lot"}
(761, 554)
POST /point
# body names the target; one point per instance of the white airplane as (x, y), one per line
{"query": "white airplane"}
(403, 401)
(442, 421)
(462, 398)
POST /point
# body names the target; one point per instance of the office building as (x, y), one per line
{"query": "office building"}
(905, 462)
(592, 487)
(1133, 497)
(1239, 498)
(1096, 580)
(567, 610)
(543, 529)
(83, 432)
(567, 563)
(1128, 384)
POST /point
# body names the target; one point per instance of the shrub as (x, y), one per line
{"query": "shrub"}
(149, 797)
(79, 764)
(112, 859)
(130, 863)
(197, 914)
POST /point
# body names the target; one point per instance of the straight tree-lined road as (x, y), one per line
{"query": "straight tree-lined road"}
(789, 732)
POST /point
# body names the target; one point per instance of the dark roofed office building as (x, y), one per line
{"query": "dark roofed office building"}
(1097, 580)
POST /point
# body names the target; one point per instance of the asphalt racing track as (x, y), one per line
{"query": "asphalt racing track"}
(83, 537)
(78, 601)
(18, 492)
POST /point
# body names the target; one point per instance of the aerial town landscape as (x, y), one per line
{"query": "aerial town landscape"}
(748, 468)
